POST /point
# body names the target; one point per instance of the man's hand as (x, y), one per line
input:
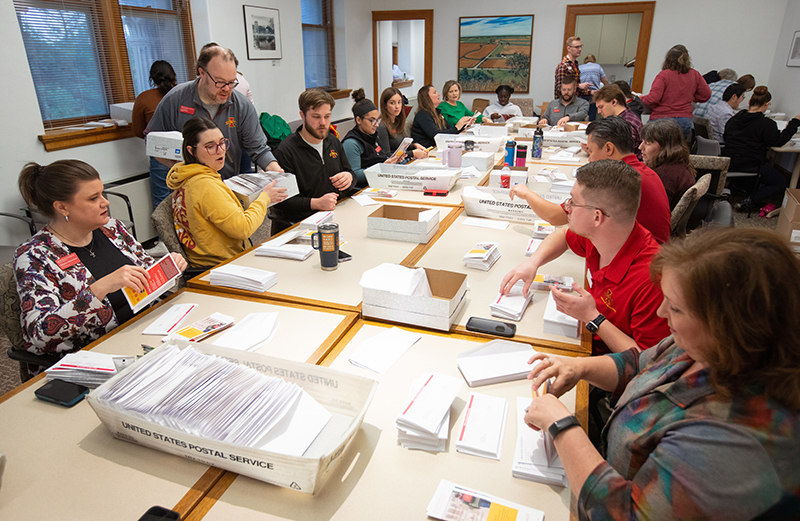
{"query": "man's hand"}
(496, 115)
(342, 181)
(584, 85)
(326, 203)
(563, 121)
(520, 190)
(525, 271)
(580, 305)
(543, 122)
(274, 167)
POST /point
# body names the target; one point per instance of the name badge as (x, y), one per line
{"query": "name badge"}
(378, 148)
(187, 110)
(556, 110)
(589, 277)
(70, 260)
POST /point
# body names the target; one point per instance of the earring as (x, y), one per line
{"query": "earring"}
(66, 218)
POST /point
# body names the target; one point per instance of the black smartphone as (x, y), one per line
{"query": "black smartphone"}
(491, 327)
(61, 392)
(344, 257)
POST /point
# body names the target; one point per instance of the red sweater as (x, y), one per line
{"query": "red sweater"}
(672, 94)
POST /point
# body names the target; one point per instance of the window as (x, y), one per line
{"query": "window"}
(87, 54)
(318, 47)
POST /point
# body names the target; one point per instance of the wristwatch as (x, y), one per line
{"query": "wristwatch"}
(594, 325)
(559, 426)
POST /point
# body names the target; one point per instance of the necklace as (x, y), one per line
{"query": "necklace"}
(66, 241)
(89, 247)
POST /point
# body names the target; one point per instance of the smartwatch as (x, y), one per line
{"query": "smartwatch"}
(594, 325)
(559, 426)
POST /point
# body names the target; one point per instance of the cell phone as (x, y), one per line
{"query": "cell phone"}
(344, 257)
(491, 327)
(61, 392)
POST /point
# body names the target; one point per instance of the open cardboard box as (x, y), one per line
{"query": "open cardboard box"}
(403, 223)
(439, 311)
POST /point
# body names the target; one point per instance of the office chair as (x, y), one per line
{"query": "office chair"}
(164, 223)
(683, 210)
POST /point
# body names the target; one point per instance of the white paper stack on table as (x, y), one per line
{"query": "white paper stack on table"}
(311, 222)
(241, 277)
(513, 304)
(542, 229)
(558, 323)
(424, 422)
(252, 332)
(535, 457)
(279, 247)
(383, 193)
(553, 173)
(380, 352)
(453, 502)
(495, 362)
(481, 432)
(88, 368)
(482, 256)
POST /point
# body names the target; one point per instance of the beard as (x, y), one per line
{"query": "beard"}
(317, 133)
(566, 98)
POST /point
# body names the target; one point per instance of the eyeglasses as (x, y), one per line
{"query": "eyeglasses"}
(373, 121)
(577, 46)
(222, 84)
(569, 204)
(213, 148)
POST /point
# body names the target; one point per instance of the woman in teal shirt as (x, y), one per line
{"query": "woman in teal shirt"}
(452, 109)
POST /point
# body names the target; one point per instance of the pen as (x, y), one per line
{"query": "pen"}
(146, 348)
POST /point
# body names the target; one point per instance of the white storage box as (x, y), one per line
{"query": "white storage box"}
(248, 187)
(403, 223)
(482, 143)
(166, 145)
(518, 175)
(421, 177)
(495, 203)
(563, 139)
(121, 111)
(479, 159)
(344, 395)
(492, 130)
(439, 311)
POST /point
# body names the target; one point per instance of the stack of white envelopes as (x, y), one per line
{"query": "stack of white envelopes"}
(482, 256)
(241, 277)
(424, 422)
(513, 304)
(558, 323)
(87, 368)
(279, 247)
(481, 432)
(535, 457)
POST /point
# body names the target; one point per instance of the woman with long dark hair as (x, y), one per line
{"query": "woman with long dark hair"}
(429, 121)
(392, 129)
(666, 152)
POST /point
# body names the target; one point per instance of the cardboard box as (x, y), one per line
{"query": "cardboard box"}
(495, 203)
(166, 145)
(439, 311)
(480, 160)
(403, 223)
(121, 111)
(789, 230)
(418, 177)
(491, 130)
(346, 396)
(482, 143)
(791, 204)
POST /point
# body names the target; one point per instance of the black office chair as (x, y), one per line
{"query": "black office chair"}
(7, 251)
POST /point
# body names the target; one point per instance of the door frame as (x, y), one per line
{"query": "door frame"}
(385, 16)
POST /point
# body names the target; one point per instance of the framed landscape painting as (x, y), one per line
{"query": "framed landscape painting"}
(262, 27)
(495, 50)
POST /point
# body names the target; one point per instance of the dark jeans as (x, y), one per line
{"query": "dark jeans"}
(687, 126)
(772, 182)
(247, 164)
(592, 107)
(158, 182)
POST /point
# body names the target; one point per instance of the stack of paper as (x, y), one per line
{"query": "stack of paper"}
(211, 397)
(542, 229)
(553, 173)
(311, 223)
(484, 424)
(279, 247)
(495, 362)
(453, 502)
(482, 256)
(380, 352)
(203, 328)
(545, 282)
(252, 332)
(383, 193)
(513, 304)
(469, 172)
(558, 323)
(535, 457)
(562, 187)
(564, 156)
(88, 368)
(533, 244)
(241, 277)
(425, 419)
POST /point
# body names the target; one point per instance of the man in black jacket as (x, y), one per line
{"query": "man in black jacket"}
(318, 161)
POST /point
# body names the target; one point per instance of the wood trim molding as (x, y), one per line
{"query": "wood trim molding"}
(647, 9)
(62, 139)
(418, 14)
(341, 93)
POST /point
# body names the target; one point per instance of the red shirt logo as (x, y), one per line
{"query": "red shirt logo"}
(231, 122)
(187, 110)
(608, 300)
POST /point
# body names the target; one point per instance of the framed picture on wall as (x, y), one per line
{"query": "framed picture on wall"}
(794, 51)
(495, 50)
(262, 27)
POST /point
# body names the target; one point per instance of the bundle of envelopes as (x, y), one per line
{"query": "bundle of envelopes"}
(241, 277)
(481, 432)
(214, 398)
(482, 256)
(535, 457)
(280, 247)
(513, 304)
(558, 323)
(424, 422)
(87, 368)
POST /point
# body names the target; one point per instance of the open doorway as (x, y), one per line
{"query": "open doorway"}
(402, 51)
(617, 34)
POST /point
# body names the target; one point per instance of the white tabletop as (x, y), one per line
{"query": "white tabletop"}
(378, 479)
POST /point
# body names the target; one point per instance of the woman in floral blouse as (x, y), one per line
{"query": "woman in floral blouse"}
(71, 273)
(707, 423)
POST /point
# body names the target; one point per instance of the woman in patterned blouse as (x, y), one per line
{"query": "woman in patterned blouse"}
(706, 424)
(71, 273)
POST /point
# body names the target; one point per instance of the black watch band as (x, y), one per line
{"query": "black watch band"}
(594, 325)
(559, 426)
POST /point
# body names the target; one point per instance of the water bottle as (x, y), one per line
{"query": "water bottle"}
(522, 155)
(505, 177)
(510, 146)
(538, 139)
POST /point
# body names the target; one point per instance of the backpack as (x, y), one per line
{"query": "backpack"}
(275, 128)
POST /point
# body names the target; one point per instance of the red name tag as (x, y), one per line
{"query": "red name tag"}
(378, 148)
(70, 260)
(556, 110)
(187, 110)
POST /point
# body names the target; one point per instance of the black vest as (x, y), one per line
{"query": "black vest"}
(373, 152)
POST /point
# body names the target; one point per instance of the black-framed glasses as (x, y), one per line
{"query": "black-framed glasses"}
(222, 84)
(213, 148)
(569, 204)
(373, 121)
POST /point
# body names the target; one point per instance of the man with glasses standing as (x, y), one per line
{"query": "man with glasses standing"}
(569, 67)
(212, 95)
(620, 307)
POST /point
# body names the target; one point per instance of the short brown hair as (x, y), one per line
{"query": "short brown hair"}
(744, 285)
(748, 81)
(449, 85)
(41, 186)
(590, 58)
(609, 93)
(569, 79)
(211, 51)
(314, 99)
(613, 186)
(573, 39)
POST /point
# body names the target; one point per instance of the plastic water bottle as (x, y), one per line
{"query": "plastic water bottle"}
(505, 177)
(538, 139)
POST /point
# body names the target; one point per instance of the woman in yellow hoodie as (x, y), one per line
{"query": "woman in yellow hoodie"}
(209, 219)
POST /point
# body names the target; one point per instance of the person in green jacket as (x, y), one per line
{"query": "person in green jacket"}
(452, 109)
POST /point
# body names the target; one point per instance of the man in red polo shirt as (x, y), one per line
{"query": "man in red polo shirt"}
(620, 306)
